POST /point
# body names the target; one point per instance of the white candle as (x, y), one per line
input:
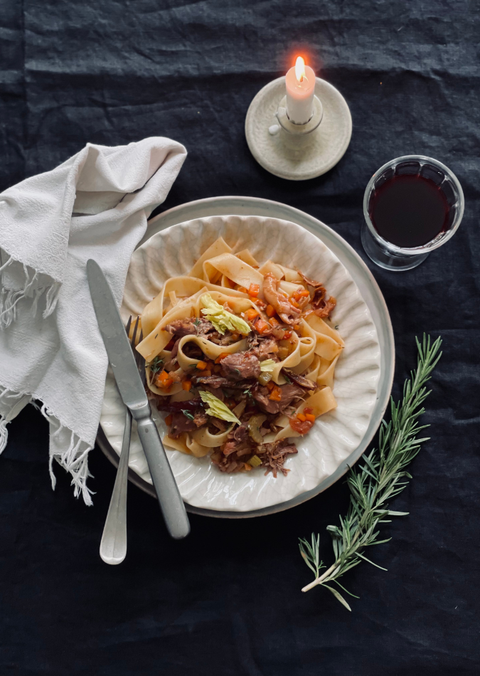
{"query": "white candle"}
(300, 83)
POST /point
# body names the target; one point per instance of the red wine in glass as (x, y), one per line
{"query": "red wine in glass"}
(409, 210)
(411, 206)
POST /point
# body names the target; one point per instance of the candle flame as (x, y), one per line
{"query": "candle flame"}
(300, 69)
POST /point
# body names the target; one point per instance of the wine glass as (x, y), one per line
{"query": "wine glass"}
(396, 257)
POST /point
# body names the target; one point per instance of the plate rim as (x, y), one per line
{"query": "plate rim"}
(223, 206)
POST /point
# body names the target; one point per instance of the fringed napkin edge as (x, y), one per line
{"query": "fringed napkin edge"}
(74, 459)
(9, 298)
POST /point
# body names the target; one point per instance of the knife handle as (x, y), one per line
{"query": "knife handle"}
(171, 503)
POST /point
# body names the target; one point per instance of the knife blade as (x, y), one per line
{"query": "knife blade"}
(134, 397)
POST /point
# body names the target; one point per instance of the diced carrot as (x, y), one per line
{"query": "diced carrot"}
(242, 289)
(220, 357)
(270, 310)
(301, 417)
(164, 380)
(251, 313)
(163, 377)
(262, 326)
(301, 294)
(274, 322)
(201, 365)
(270, 385)
(254, 289)
(169, 419)
(276, 394)
(301, 426)
(293, 302)
(310, 416)
(247, 466)
(187, 385)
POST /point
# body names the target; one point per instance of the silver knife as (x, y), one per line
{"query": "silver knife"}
(134, 397)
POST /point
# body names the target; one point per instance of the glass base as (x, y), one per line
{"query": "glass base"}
(387, 259)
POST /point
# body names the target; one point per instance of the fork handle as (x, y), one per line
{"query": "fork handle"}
(171, 503)
(113, 546)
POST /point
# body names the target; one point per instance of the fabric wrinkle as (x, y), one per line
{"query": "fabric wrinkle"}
(50, 345)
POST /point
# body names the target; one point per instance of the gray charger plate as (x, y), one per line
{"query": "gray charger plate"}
(255, 206)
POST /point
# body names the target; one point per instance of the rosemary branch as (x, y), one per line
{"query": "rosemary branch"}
(380, 477)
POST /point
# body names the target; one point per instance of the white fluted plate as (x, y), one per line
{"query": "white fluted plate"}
(335, 436)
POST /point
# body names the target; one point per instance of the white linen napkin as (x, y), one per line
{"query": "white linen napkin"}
(94, 205)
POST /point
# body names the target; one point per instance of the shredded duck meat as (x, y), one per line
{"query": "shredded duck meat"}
(263, 348)
(325, 307)
(274, 455)
(285, 310)
(321, 305)
(239, 449)
(190, 327)
(238, 442)
(240, 366)
(300, 380)
(221, 382)
(182, 423)
(288, 393)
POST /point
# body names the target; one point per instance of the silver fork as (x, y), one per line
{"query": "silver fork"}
(113, 546)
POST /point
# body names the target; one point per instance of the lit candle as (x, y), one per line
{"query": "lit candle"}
(300, 82)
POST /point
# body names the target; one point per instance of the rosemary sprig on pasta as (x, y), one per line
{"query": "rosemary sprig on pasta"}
(380, 478)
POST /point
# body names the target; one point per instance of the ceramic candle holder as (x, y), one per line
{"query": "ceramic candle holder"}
(298, 151)
(296, 136)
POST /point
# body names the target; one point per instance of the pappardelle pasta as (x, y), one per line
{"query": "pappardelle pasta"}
(241, 358)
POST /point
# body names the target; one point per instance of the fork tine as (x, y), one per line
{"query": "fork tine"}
(133, 342)
(141, 363)
(127, 328)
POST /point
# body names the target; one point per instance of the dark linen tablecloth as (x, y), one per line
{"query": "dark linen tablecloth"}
(227, 600)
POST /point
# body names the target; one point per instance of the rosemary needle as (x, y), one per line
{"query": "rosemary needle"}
(380, 477)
